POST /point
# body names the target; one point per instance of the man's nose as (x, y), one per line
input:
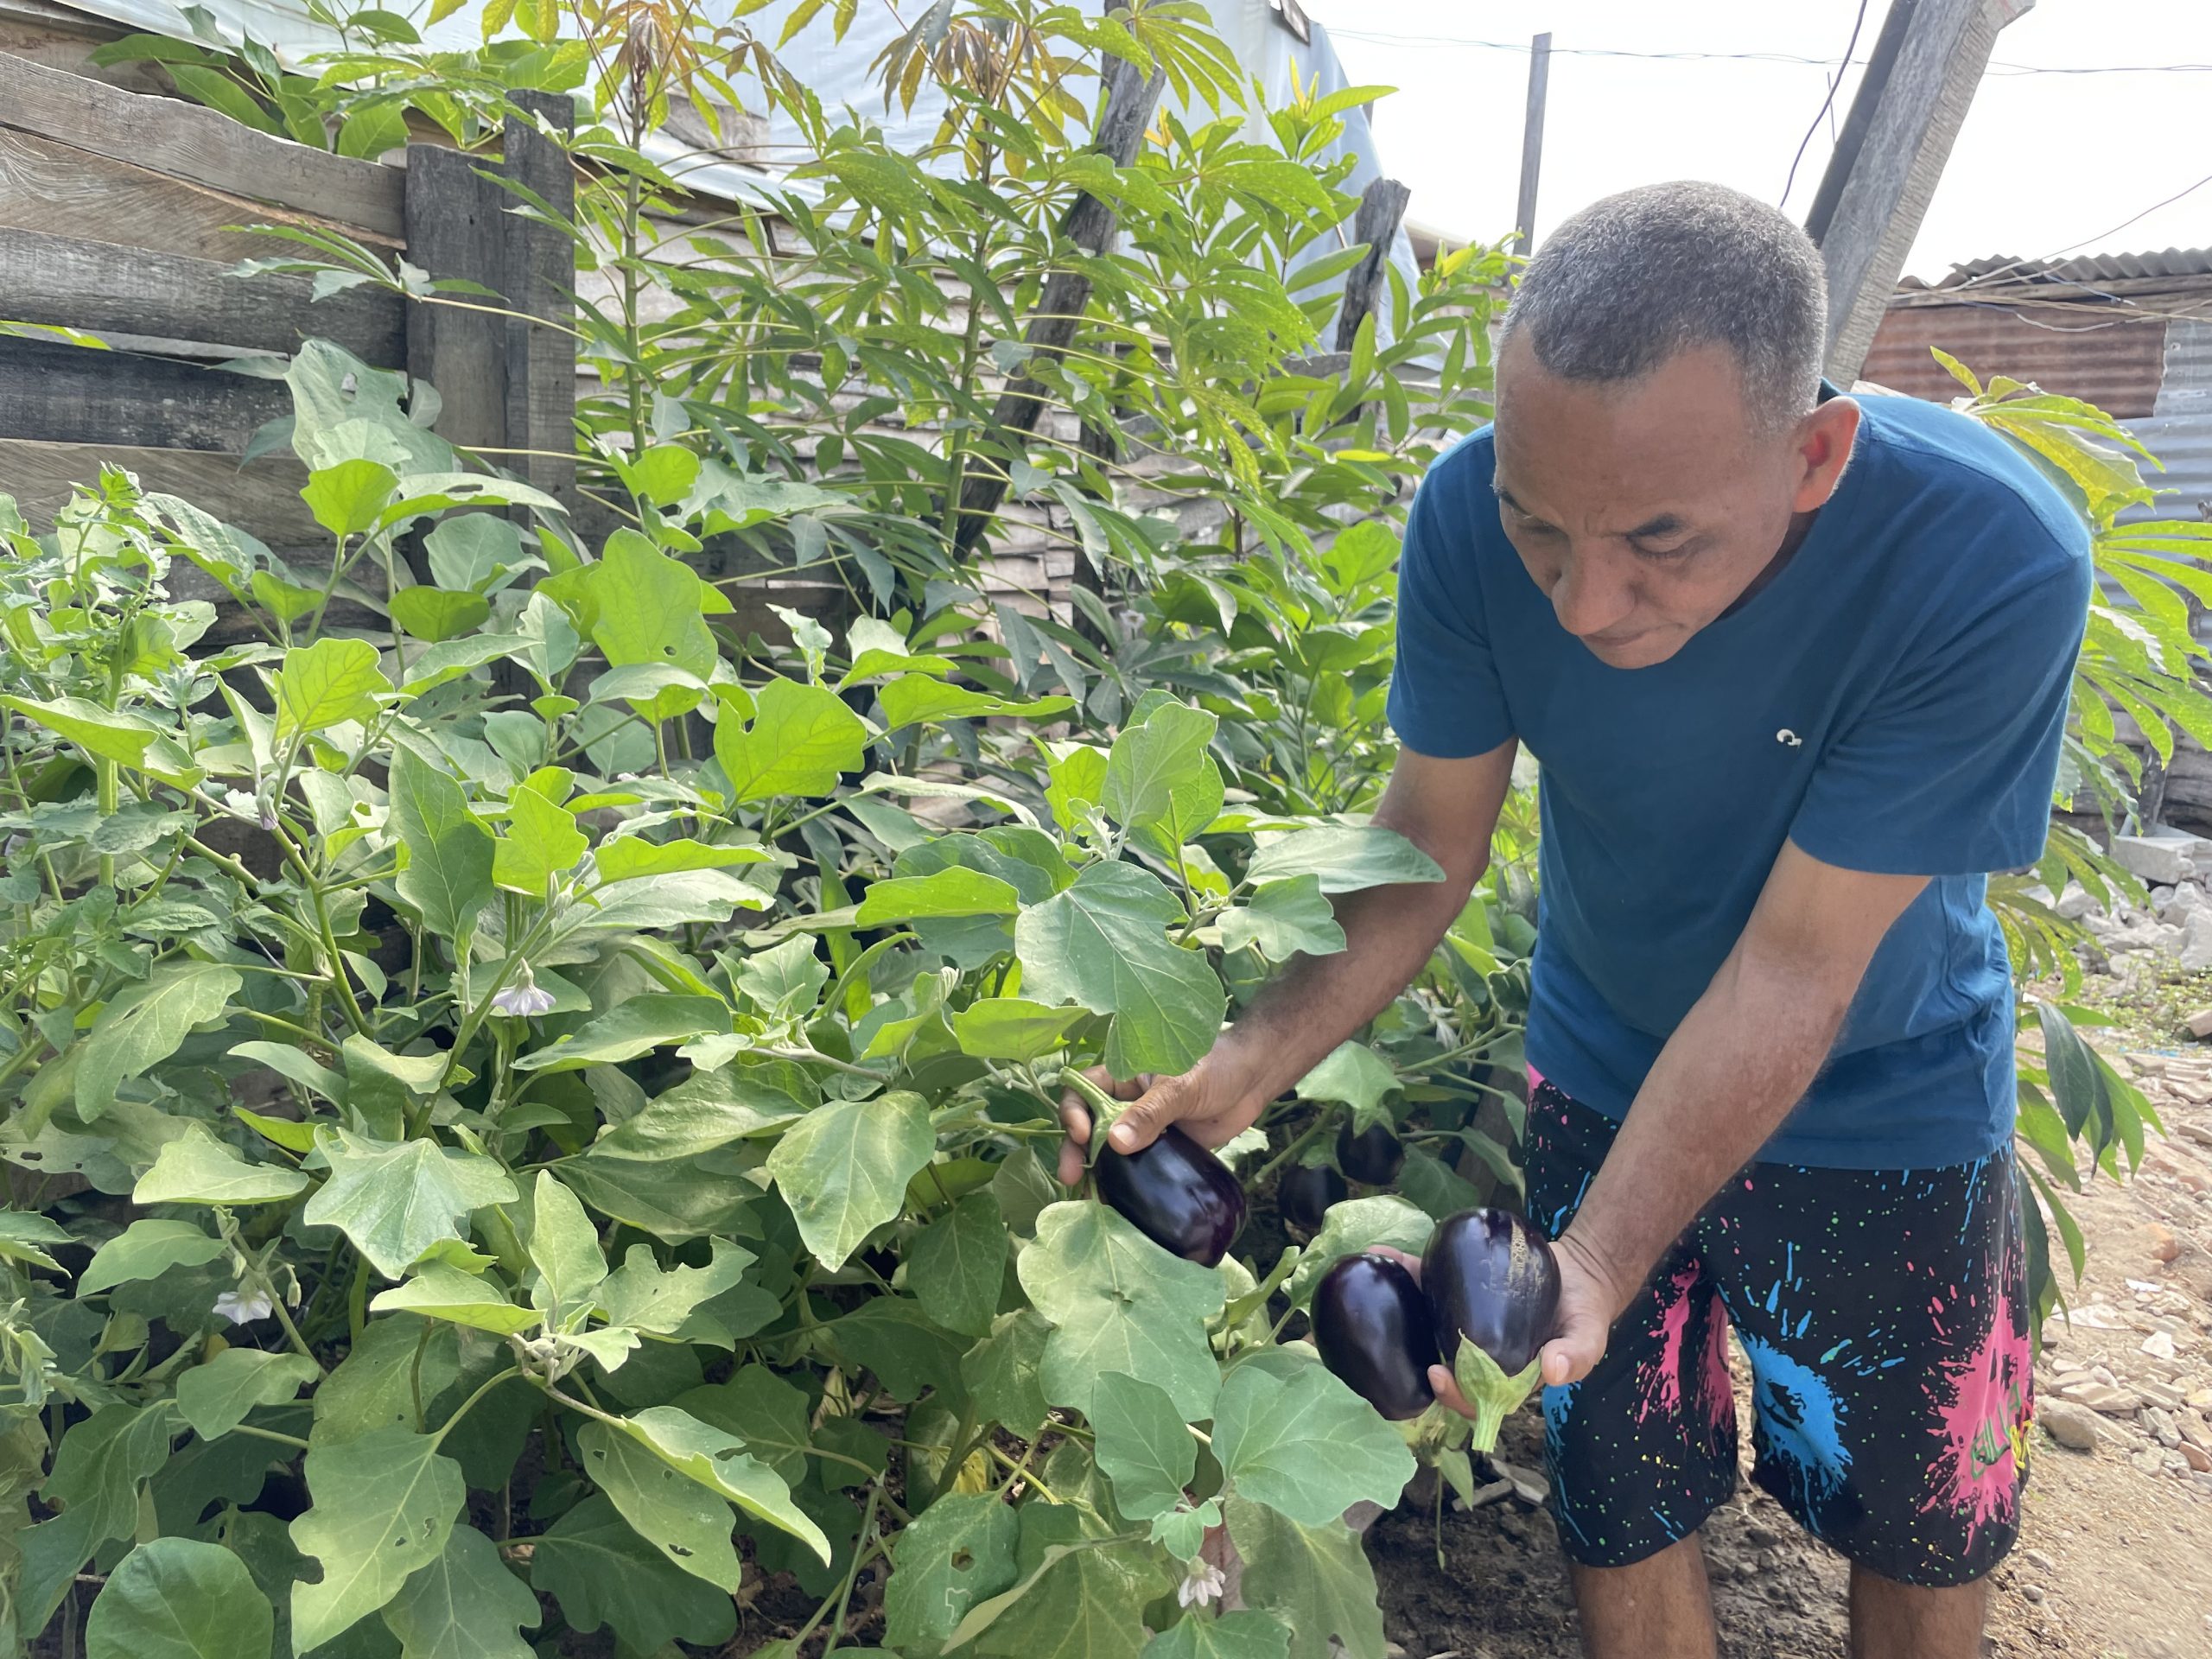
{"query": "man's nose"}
(1589, 598)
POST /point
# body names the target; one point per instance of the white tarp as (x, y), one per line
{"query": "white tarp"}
(839, 72)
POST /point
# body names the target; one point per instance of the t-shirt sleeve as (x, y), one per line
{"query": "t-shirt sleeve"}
(1949, 769)
(1445, 700)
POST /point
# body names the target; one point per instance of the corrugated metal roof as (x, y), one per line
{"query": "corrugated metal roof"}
(2177, 263)
(2116, 365)
(2182, 444)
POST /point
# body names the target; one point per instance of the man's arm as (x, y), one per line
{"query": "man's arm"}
(1449, 809)
(1739, 1060)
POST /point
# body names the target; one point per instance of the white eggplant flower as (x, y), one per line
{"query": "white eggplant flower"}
(244, 1308)
(1205, 1585)
(524, 1000)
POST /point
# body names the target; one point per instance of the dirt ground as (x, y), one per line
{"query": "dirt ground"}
(2115, 1556)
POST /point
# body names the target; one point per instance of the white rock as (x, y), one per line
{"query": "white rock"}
(2160, 1345)
(2075, 903)
(2154, 858)
(2186, 898)
(2168, 940)
(2197, 942)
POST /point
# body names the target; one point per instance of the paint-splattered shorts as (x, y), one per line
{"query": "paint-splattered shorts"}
(1883, 1313)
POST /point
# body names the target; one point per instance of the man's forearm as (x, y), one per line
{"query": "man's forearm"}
(1726, 1079)
(1318, 1001)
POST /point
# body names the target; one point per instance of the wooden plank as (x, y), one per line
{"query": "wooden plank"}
(72, 394)
(453, 232)
(541, 280)
(48, 185)
(200, 146)
(101, 287)
(1130, 100)
(1382, 205)
(263, 499)
(1906, 115)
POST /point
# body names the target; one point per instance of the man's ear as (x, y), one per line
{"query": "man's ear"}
(1823, 444)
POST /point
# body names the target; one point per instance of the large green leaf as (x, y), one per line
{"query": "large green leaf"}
(951, 892)
(643, 1295)
(1143, 1445)
(957, 1263)
(1159, 777)
(717, 1460)
(24, 1235)
(1306, 1445)
(957, 1552)
(1316, 1580)
(439, 1290)
(326, 684)
(1241, 1635)
(637, 1026)
(922, 699)
(711, 1109)
(1102, 943)
(542, 842)
(1001, 1372)
(1284, 918)
(802, 737)
(763, 1410)
(603, 1573)
(197, 1168)
(147, 1249)
(124, 738)
(448, 874)
(565, 1249)
(385, 1505)
(1345, 859)
(349, 496)
(178, 1599)
(669, 1198)
(466, 1604)
(1013, 1027)
(1355, 1076)
(392, 1365)
(648, 606)
(97, 1472)
(1118, 1302)
(215, 1397)
(843, 1169)
(626, 857)
(146, 1024)
(1357, 1225)
(1078, 1598)
(395, 1200)
(689, 1525)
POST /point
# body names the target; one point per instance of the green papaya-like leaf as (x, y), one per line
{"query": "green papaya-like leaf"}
(179, 1599)
(604, 1574)
(466, 1604)
(843, 1169)
(197, 1168)
(1143, 1445)
(434, 614)
(216, 1396)
(1305, 1445)
(349, 497)
(957, 1552)
(146, 1024)
(395, 1201)
(447, 877)
(801, 739)
(326, 684)
(542, 842)
(1315, 1579)
(957, 1264)
(385, 1505)
(147, 1249)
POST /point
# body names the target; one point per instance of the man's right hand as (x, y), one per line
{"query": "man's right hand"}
(1214, 1102)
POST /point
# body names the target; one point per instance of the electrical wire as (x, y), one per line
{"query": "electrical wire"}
(1827, 103)
(1996, 66)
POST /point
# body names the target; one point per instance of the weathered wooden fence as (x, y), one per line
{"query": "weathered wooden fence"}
(119, 217)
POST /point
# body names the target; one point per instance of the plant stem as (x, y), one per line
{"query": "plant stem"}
(1321, 1119)
(862, 1549)
(465, 1406)
(293, 1440)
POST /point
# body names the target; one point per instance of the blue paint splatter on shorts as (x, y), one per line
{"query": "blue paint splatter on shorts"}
(1801, 1421)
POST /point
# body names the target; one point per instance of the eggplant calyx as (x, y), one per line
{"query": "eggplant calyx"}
(1492, 1394)
(1104, 1109)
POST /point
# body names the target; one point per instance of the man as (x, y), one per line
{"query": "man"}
(1796, 670)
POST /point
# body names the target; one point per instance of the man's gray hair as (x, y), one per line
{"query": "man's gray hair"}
(1631, 280)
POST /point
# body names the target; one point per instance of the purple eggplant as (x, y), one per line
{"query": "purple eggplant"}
(1373, 1327)
(1177, 1194)
(1373, 1157)
(1493, 1291)
(1304, 1195)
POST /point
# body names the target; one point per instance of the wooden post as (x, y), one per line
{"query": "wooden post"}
(1532, 140)
(1903, 120)
(1382, 205)
(1130, 100)
(505, 383)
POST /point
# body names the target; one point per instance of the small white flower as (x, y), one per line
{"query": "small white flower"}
(244, 1308)
(1205, 1585)
(524, 998)
(242, 803)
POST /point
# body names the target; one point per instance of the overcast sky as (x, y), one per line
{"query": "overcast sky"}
(2046, 161)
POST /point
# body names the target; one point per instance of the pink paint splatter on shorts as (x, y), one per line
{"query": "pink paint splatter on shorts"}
(1535, 1079)
(1663, 1377)
(1991, 1398)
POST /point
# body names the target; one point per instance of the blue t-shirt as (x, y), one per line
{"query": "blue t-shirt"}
(1919, 647)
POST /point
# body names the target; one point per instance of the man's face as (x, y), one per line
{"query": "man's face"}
(1644, 509)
